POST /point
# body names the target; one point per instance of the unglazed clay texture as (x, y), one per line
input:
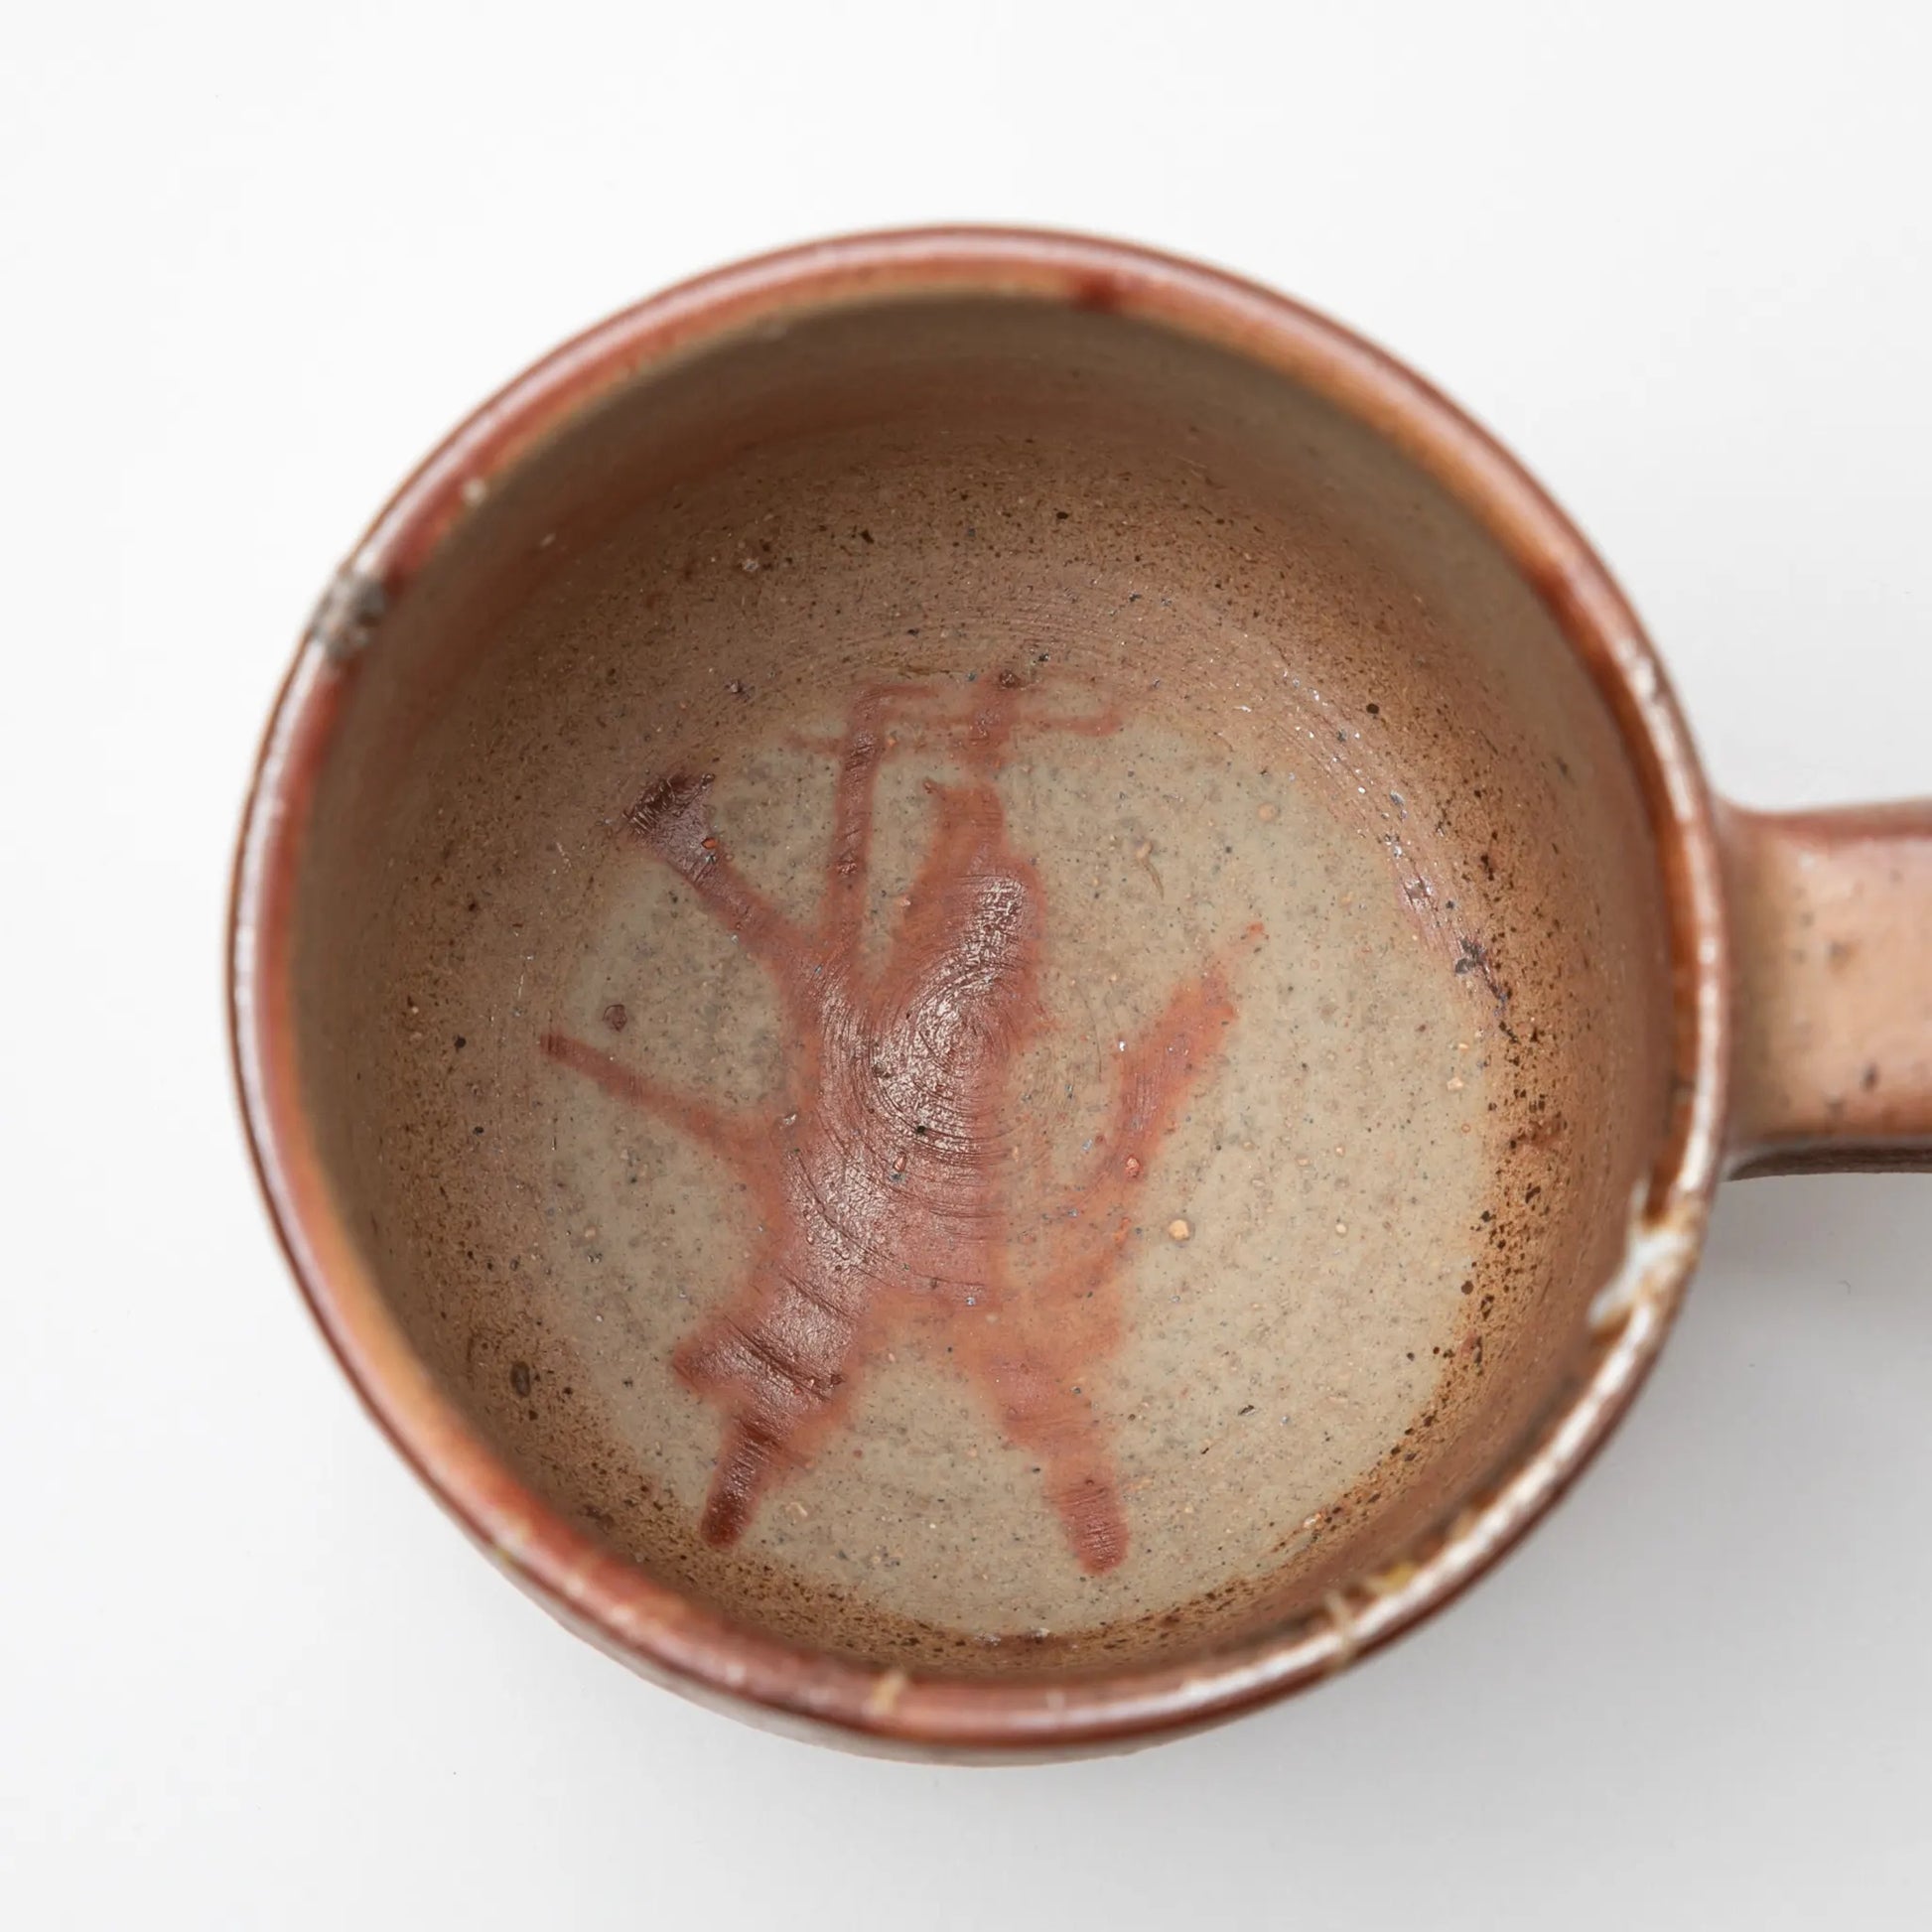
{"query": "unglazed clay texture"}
(974, 1043)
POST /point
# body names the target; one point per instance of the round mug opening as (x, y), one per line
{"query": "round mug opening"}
(1302, 507)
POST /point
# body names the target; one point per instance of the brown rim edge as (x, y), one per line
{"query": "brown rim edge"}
(608, 1599)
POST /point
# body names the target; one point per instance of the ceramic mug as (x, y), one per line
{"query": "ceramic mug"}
(988, 991)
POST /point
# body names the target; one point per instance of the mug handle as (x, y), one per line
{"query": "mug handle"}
(1832, 928)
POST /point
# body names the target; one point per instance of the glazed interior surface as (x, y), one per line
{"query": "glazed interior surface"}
(984, 985)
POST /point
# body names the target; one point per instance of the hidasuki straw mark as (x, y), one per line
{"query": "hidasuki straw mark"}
(878, 1171)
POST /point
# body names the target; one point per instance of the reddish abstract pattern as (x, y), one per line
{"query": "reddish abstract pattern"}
(883, 1175)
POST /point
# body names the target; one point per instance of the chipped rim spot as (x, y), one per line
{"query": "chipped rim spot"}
(348, 613)
(886, 1694)
(1657, 1255)
(1343, 1628)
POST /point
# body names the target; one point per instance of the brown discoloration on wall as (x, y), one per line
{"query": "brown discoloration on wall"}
(879, 1171)
(1832, 915)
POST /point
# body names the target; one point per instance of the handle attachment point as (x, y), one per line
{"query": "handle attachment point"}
(1832, 1053)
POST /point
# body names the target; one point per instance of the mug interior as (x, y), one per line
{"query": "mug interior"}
(1258, 897)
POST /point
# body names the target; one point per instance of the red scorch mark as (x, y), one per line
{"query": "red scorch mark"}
(880, 1180)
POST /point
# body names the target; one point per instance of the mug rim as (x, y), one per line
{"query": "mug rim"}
(647, 1623)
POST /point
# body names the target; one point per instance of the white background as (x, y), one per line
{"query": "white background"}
(254, 261)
